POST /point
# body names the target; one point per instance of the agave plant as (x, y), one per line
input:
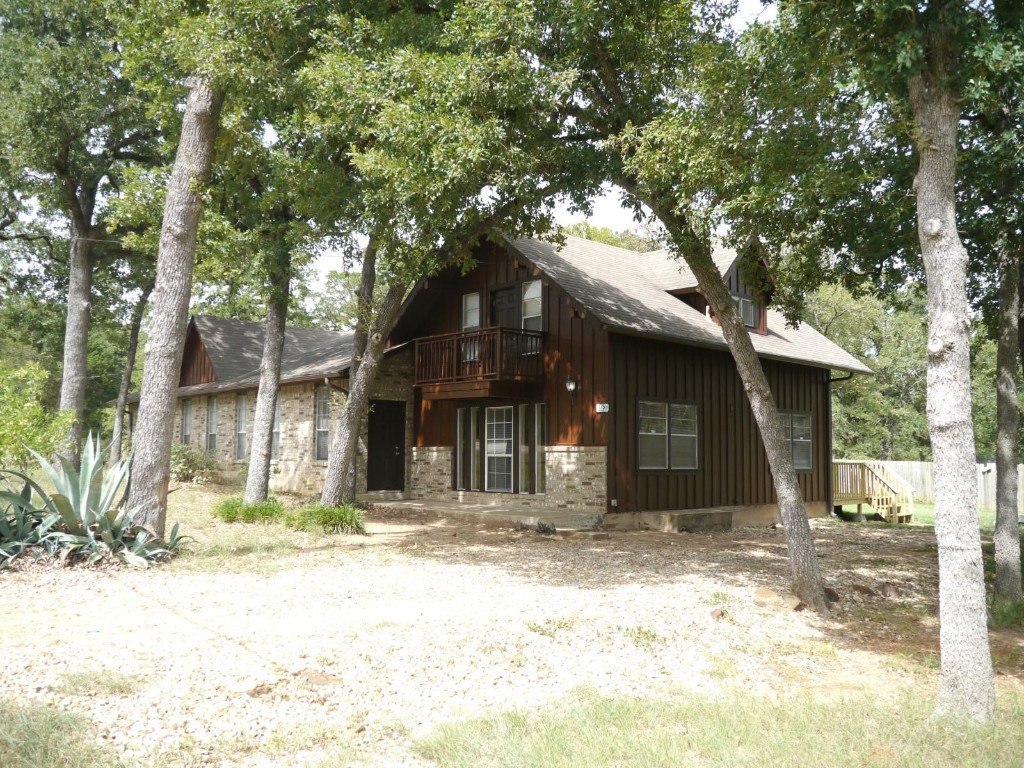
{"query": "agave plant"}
(22, 526)
(87, 519)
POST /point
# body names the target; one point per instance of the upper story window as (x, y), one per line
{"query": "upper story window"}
(470, 311)
(667, 435)
(241, 424)
(323, 421)
(532, 306)
(186, 421)
(750, 312)
(211, 424)
(798, 432)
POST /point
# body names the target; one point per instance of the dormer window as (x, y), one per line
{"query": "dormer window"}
(750, 313)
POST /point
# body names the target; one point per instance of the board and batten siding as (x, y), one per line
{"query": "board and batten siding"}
(573, 344)
(732, 465)
(196, 367)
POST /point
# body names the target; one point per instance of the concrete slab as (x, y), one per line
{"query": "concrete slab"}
(496, 515)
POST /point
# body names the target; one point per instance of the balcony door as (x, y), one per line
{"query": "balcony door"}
(503, 308)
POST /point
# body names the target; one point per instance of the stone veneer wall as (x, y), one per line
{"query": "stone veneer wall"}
(297, 471)
(576, 480)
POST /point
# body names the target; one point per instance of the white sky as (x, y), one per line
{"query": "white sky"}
(607, 210)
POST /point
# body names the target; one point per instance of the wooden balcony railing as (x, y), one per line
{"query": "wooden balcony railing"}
(486, 354)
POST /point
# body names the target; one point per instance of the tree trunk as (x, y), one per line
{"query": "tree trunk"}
(1007, 534)
(175, 259)
(257, 483)
(966, 682)
(126, 377)
(805, 575)
(76, 336)
(364, 309)
(343, 451)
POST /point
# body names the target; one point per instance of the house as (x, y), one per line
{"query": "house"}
(581, 377)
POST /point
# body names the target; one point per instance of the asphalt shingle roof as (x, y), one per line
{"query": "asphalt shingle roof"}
(628, 291)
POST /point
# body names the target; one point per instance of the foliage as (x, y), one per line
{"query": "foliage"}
(36, 735)
(234, 510)
(81, 518)
(26, 425)
(634, 241)
(192, 464)
(346, 518)
(736, 728)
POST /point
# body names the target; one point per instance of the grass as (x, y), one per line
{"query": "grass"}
(738, 730)
(924, 515)
(38, 736)
(232, 509)
(320, 517)
(103, 682)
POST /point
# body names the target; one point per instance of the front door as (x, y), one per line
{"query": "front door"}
(385, 446)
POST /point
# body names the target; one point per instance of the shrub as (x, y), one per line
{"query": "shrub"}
(312, 517)
(25, 425)
(80, 518)
(233, 510)
(191, 464)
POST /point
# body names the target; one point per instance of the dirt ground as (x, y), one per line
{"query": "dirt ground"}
(345, 650)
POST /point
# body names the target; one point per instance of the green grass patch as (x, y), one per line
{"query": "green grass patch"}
(233, 510)
(737, 730)
(103, 682)
(37, 736)
(1004, 615)
(319, 517)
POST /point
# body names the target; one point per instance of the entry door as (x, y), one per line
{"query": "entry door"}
(385, 446)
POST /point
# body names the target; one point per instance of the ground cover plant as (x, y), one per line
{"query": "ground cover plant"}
(312, 517)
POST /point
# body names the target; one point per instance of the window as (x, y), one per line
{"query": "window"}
(532, 306)
(186, 421)
(476, 468)
(460, 448)
(471, 322)
(797, 427)
(499, 448)
(526, 442)
(540, 414)
(749, 311)
(323, 421)
(241, 425)
(211, 424)
(667, 435)
(275, 438)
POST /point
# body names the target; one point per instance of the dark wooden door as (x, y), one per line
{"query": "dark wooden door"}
(503, 308)
(385, 446)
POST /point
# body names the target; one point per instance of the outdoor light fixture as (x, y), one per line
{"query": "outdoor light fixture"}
(570, 385)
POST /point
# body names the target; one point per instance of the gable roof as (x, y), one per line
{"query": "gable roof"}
(628, 292)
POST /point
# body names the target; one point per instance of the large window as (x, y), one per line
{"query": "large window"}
(499, 448)
(275, 438)
(323, 421)
(667, 435)
(532, 306)
(211, 424)
(186, 421)
(241, 425)
(798, 434)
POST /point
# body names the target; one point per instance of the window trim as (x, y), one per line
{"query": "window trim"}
(321, 393)
(522, 304)
(241, 426)
(787, 426)
(755, 309)
(186, 421)
(464, 325)
(511, 455)
(668, 436)
(211, 424)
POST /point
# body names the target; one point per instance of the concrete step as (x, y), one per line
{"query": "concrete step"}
(504, 517)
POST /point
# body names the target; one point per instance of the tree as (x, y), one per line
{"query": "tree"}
(70, 122)
(24, 422)
(635, 241)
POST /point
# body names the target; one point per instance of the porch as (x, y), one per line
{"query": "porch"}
(866, 482)
(483, 362)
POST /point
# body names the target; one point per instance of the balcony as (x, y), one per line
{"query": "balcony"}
(486, 362)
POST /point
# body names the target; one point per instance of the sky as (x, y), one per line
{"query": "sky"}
(607, 210)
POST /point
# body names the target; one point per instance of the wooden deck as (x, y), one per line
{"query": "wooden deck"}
(867, 482)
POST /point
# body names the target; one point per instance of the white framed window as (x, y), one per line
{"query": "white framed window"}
(211, 424)
(275, 438)
(471, 322)
(532, 313)
(475, 469)
(241, 425)
(499, 444)
(540, 469)
(667, 435)
(186, 421)
(799, 435)
(749, 311)
(526, 442)
(323, 421)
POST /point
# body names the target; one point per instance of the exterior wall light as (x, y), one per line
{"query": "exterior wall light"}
(571, 384)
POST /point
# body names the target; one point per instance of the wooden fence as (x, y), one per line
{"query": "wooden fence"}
(921, 475)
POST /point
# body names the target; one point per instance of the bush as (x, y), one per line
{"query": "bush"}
(233, 510)
(318, 517)
(80, 519)
(25, 425)
(191, 464)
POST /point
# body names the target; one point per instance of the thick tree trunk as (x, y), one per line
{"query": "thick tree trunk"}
(257, 483)
(76, 336)
(126, 376)
(966, 682)
(805, 575)
(1007, 534)
(364, 308)
(343, 451)
(175, 260)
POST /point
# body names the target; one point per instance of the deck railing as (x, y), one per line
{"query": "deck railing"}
(867, 482)
(480, 355)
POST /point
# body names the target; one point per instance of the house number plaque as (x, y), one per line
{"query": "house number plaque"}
(601, 407)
